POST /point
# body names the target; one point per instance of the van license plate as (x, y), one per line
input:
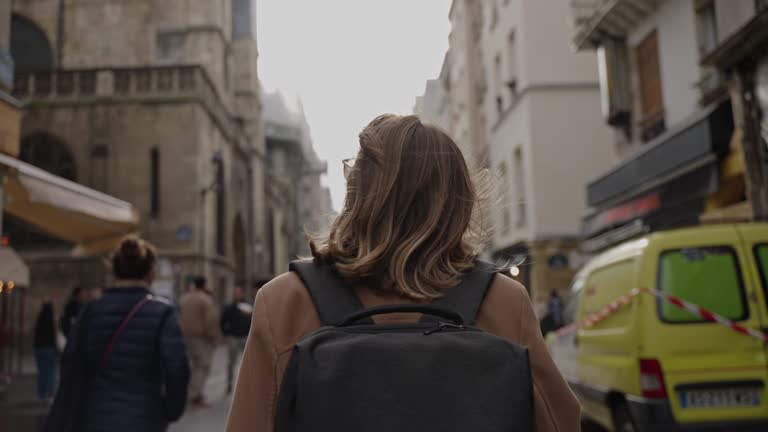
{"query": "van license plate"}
(720, 398)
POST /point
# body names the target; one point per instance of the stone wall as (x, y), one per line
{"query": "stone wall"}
(129, 132)
(112, 33)
(138, 75)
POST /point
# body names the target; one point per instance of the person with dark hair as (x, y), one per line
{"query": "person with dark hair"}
(72, 309)
(200, 323)
(46, 351)
(125, 358)
(235, 323)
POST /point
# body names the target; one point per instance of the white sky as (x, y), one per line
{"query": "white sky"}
(349, 61)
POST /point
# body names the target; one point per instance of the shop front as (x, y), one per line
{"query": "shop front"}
(14, 279)
(670, 182)
(91, 221)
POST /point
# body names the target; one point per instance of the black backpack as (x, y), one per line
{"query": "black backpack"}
(439, 374)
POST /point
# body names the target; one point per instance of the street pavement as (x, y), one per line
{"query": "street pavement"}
(21, 411)
(214, 418)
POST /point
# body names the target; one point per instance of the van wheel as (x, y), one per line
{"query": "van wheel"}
(622, 420)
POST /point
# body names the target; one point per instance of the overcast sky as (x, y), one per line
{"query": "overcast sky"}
(349, 61)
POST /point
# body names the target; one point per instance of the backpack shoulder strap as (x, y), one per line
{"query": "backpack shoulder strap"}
(467, 297)
(333, 299)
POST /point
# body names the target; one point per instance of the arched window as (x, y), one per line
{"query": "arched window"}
(30, 48)
(49, 153)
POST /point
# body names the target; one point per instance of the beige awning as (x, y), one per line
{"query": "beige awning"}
(94, 221)
(12, 269)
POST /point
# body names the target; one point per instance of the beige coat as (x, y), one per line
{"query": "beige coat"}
(199, 316)
(284, 313)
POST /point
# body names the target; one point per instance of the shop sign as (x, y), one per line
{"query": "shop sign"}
(184, 233)
(625, 212)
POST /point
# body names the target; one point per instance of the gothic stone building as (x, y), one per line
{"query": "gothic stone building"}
(155, 102)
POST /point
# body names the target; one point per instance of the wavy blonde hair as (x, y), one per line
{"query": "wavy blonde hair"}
(409, 222)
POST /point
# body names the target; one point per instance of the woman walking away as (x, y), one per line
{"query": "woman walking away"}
(417, 334)
(136, 369)
(46, 351)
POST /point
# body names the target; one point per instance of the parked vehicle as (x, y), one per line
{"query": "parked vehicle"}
(652, 366)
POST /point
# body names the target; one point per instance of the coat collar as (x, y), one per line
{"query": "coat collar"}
(129, 285)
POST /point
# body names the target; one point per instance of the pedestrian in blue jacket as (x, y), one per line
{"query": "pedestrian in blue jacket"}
(138, 369)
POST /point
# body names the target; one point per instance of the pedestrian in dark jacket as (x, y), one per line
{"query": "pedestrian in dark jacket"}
(46, 351)
(72, 310)
(235, 324)
(139, 373)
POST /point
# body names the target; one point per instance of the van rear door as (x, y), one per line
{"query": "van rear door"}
(712, 374)
(755, 240)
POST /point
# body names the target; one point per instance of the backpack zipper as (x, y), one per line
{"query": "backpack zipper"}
(443, 326)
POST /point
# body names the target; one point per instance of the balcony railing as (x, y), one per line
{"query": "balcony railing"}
(168, 83)
(146, 81)
(594, 19)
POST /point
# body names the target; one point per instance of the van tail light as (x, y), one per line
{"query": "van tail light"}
(652, 379)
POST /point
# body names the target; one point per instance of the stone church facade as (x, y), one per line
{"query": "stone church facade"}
(155, 102)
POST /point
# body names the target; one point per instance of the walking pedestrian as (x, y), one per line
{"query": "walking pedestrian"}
(46, 351)
(200, 324)
(555, 309)
(125, 366)
(405, 240)
(235, 324)
(72, 309)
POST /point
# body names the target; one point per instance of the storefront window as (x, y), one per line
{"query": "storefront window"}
(708, 277)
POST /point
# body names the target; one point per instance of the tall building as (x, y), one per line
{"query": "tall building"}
(542, 111)
(299, 204)
(87, 219)
(466, 81)
(683, 153)
(158, 105)
(512, 87)
(434, 105)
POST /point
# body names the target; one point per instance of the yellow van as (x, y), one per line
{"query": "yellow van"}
(651, 366)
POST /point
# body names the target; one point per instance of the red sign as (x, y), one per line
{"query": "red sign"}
(628, 211)
(632, 209)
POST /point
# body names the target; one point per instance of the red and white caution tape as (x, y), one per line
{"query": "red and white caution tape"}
(705, 314)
